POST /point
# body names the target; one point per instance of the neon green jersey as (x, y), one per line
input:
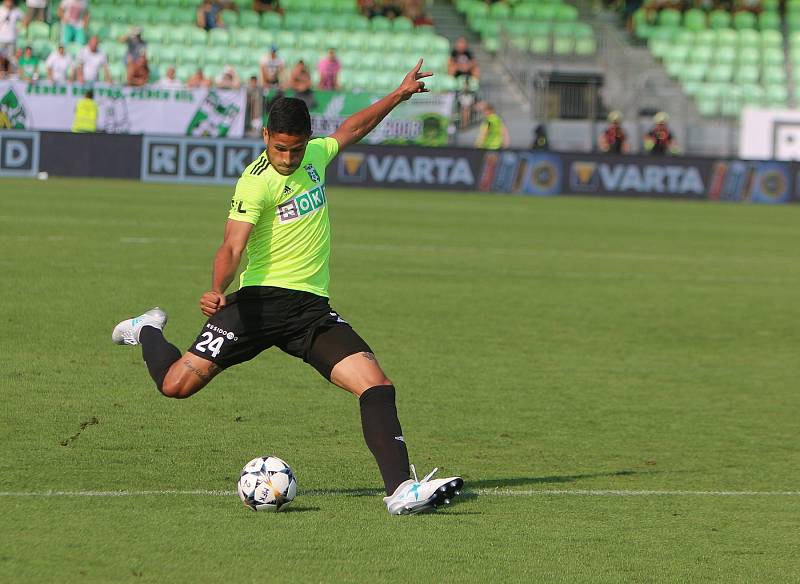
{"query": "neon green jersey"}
(290, 245)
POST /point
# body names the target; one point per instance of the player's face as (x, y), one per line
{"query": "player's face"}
(285, 151)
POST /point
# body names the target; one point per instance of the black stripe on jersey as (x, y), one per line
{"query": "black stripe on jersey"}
(260, 167)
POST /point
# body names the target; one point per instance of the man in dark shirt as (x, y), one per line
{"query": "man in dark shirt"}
(462, 61)
(613, 139)
(659, 140)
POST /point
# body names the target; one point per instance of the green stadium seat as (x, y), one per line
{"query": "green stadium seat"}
(185, 71)
(585, 47)
(774, 75)
(773, 57)
(249, 19)
(669, 17)
(96, 28)
(402, 24)
(38, 30)
(727, 37)
(701, 54)
(285, 39)
(499, 11)
(744, 20)
(230, 18)
(725, 55)
(524, 12)
(355, 22)
(546, 12)
(192, 55)
(719, 19)
(771, 39)
(565, 13)
(42, 47)
(731, 101)
(722, 73)
(769, 21)
(692, 72)
(271, 20)
(770, 5)
(674, 63)
(747, 74)
(381, 24)
(749, 56)
(642, 27)
(749, 38)
(118, 72)
(216, 55)
(694, 19)
(705, 37)
(776, 95)
(156, 33)
(219, 37)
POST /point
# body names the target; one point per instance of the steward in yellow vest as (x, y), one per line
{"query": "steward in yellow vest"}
(85, 114)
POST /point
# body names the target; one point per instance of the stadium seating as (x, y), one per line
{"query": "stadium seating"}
(539, 26)
(308, 29)
(723, 61)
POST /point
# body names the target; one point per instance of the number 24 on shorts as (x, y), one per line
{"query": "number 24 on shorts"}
(213, 345)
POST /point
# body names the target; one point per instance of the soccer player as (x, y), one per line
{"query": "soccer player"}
(279, 214)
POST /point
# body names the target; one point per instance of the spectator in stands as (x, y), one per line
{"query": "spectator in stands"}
(74, 16)
(208, 16)
(86, 111)
(139, 71)
(198, 80)
(59, 66)
(169, 80)
(136, 45)
(36, 11)
(5, 67)
(418, 15)
(329, 68)
(262, 6)
(462, 61)
(300, 83)
(28, 66)
(271, 68)
(254, 109)
(10, 15)
(369, 8)
(228, 78)
(493, 133)
(391, 10)
(91, 60)
(540, 140)
(614, 140)
(659, 140)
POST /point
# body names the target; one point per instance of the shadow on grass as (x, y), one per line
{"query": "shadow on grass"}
(498, 483)
(291, 509)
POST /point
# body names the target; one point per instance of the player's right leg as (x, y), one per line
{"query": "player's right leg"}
(175, 375)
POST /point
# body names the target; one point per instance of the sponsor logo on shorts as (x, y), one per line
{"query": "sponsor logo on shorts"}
(303, 204)
(230, 335)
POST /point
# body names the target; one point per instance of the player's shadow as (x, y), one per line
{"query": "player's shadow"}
(470, 485)
(291, 509)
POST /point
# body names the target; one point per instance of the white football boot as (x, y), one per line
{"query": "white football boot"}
(413, 496)
(127, 332)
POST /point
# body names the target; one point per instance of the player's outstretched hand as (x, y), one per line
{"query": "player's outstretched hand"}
(211, 303)
(411, 83)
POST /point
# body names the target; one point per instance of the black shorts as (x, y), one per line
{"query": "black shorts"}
(256, 318)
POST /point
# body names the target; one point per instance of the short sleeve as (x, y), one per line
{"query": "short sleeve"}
(331, 149)
(248, 199)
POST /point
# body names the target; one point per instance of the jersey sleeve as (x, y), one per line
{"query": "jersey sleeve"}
(249, 199)
(330, 149)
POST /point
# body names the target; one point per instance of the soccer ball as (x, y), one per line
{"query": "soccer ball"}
(267, 484)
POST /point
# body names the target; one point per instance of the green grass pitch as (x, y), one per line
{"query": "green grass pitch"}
(617, 381)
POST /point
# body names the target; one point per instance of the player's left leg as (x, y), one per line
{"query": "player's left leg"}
(344, 358)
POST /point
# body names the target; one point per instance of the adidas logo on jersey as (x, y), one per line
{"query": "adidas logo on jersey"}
(287, 190)
(301, 205)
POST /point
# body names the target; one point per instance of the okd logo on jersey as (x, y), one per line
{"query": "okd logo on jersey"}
(301, 205)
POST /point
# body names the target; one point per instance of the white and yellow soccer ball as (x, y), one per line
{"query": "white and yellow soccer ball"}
(267, 483)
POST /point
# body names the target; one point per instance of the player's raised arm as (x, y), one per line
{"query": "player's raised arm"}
(362, 123)
(226, 261)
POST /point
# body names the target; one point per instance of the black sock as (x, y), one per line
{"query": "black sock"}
(158, 354)
(384, 436)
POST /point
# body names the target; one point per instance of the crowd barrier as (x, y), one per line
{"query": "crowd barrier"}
(204, 160)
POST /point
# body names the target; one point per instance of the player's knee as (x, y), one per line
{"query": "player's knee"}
(174, 388)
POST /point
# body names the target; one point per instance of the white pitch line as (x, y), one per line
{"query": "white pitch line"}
(479, 492)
